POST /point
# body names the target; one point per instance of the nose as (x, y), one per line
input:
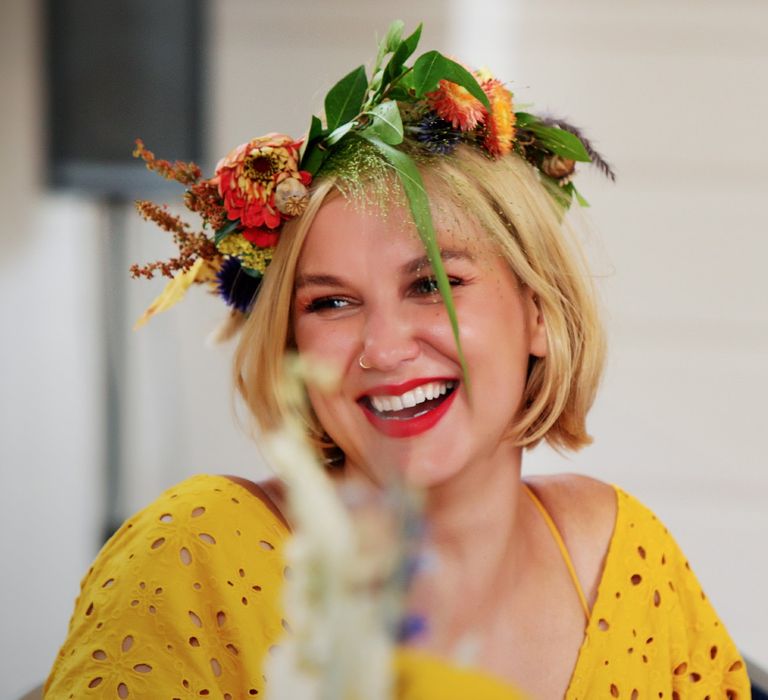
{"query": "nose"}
(389, 339)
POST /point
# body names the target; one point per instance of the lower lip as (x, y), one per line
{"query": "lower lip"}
(410, 426)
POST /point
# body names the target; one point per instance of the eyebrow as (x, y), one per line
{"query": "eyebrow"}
(418, 264)
(318, 280)
(409, 268)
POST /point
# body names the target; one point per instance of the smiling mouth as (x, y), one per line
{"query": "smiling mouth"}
(411, 404)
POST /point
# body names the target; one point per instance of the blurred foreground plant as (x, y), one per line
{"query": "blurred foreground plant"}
(349, 560)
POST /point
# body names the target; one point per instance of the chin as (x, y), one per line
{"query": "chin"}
(409, 468)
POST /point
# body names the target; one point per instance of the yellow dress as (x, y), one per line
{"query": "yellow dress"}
(184, 602)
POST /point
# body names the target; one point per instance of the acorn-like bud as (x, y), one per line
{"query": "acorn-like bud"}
(291, 197)
(558, 167)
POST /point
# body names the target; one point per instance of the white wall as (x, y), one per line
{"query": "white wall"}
(673, 95)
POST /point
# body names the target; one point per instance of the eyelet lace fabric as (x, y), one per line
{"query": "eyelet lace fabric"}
(652, 633)
(184, 602)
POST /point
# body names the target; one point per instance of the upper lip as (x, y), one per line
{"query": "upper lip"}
(399, 389)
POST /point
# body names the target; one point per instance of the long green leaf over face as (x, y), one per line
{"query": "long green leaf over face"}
(418, 202)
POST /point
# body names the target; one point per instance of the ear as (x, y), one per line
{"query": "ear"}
(537, 328)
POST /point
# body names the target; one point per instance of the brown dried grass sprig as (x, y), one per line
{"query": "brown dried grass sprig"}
(192, 245)
(187, 173)
(204, 199)
(597, 160)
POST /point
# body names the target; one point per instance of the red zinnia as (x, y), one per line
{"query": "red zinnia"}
(247, 178)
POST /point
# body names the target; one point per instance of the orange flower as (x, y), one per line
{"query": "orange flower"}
(456, 105)
(248, 176)
(500, 125)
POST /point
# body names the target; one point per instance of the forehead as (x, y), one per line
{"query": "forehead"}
(350, 233)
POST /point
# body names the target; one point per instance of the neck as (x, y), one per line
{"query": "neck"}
(474, 517)
(475, 530)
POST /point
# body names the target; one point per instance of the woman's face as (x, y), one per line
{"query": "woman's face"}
(365, 288)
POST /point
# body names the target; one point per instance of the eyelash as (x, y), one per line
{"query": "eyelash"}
(424, 286)
(324, 304)
(432, 282)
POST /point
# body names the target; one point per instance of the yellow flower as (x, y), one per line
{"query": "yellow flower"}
(239, 247)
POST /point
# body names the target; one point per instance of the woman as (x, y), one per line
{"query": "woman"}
(429, 263)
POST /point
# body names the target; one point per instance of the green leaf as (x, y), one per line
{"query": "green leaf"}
(552, 138)
(389, 44)
(432, 67)
(403, 90)
(251, 272)
(418, 203)
(312, 152)
(523, 119)
(392, 40)
(314, 157)
(582, 202)
(344, 100)
(376, 80)
(401, 55)
(225, 230)
(559, 141)
(387, 123)
(339, 133)
(561, 194)
(315, 131)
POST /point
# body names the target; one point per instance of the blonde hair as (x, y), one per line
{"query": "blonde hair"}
(510, 203)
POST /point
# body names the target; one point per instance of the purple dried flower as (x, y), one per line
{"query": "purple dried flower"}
(411, 626)
(237, 287)
(436, 134)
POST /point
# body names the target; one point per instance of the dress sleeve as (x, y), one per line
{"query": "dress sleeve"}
(182, 602)
(652, 631)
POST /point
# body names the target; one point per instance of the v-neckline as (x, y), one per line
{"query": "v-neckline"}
(610, 556)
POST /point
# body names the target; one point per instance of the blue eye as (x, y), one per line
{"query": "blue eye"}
(325, 304)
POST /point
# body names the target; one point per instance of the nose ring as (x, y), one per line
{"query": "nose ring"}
(361, 362)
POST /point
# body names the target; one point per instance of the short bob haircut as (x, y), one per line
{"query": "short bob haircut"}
(512, 205)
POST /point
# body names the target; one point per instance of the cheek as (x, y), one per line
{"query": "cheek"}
(336, 418)
(326, 341)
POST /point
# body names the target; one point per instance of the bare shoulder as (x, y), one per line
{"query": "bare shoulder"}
(577, 502)
(584, 510)
(271, 492)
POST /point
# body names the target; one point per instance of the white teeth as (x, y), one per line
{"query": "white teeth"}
(409, 399)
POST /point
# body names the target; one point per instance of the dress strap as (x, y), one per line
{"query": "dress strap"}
(561, 546)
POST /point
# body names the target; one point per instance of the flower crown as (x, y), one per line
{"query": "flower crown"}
(434, 103)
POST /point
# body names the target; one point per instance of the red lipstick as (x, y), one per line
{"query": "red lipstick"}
(407, 427)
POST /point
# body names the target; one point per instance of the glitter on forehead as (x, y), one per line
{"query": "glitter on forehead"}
(370, 185)
(363, 177)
